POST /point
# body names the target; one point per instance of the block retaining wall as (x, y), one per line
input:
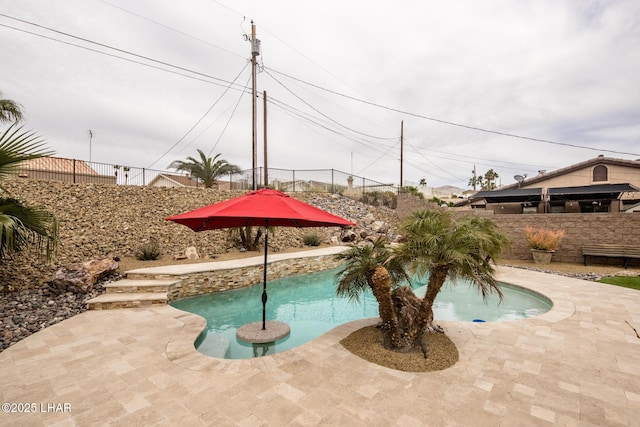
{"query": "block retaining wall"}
(580, 229)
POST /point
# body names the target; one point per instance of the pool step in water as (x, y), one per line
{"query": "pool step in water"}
(128, 293)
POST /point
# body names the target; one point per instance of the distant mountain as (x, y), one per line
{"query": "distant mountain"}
(447, 190)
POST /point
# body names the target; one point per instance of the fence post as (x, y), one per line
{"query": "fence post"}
(74, 171)
(363, 194)
(144, 182)
(294, 180)
(333, 188)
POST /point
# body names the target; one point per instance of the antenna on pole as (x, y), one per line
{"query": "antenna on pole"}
(90, 140)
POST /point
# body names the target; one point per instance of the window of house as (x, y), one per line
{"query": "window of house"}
(600, 173)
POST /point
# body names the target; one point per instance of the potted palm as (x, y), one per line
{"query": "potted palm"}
(543, 243)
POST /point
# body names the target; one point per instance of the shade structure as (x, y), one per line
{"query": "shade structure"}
(259, 208)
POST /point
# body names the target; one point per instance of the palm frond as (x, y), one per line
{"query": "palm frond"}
(16, 146)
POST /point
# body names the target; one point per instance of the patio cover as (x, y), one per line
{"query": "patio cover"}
(513, 195)
(590, 192)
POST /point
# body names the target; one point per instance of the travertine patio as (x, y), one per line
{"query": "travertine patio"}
(579, 364)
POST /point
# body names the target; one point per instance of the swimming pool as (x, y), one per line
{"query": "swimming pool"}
(309, 305)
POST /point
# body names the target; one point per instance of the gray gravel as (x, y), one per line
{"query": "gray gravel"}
(28, 311)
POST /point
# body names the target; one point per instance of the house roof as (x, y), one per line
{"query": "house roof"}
(600, 191)
(510, 195)
(180, 180)
(56, 164)
(576, 166)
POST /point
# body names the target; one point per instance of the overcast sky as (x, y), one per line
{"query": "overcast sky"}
(565, 72)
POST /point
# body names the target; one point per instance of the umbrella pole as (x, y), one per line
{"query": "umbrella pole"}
(264, 272)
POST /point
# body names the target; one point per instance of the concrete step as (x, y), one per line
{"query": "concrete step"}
(127, 300)
(138, 286)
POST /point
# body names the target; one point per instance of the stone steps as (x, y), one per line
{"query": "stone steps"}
(132, 293)
(138, 286)
(111, 301)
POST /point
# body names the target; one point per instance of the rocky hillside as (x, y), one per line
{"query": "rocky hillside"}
(114, 221)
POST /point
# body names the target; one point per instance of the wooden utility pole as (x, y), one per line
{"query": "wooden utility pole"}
(255, 51)
(266, 165)
(401, 152)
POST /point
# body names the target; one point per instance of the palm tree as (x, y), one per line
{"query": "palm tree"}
(23, 226)
(10, 111)
(475, 182)
(207, 169)
(369, 266)
(490, 179)
(445, 247)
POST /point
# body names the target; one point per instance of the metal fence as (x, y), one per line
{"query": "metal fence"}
(286, 180)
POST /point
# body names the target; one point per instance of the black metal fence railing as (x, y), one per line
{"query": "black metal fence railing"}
(286, 180)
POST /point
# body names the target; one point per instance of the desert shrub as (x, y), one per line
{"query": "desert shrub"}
(311, 239)
(149, 251)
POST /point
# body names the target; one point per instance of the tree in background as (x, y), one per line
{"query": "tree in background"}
(484, 182)
(207, 169)
(10, 111)
(490, 178)
(21, 226)
(476, 182)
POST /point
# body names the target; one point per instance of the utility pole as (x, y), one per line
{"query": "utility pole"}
(401, 151)
(255, 51)
(266, 166)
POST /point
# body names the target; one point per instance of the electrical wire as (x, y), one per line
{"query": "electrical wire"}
(230, 117)
(170, 28)
(201, 118)
(397, 110)
(324, 115)
(107, 47)
(115, 56)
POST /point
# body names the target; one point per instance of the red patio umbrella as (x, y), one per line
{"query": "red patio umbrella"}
(261, 208)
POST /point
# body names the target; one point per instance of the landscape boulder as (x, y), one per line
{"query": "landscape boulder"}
(80, 277)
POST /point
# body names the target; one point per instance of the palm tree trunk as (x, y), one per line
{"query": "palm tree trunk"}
(380, 284)
(437, 277)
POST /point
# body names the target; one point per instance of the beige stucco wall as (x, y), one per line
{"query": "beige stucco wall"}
(617, 174)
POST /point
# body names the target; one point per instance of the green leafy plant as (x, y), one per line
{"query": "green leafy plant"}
(311, 239)
(149, 251)
(543, 239)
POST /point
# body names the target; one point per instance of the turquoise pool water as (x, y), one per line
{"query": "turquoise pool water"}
(309, 305)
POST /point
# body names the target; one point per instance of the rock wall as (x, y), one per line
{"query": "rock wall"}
(206, 282)
(98, 221)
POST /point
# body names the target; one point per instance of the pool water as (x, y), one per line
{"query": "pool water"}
(309, 305)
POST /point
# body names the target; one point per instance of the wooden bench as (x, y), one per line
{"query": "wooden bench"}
(611, 250)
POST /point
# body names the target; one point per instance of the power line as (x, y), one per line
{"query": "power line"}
(230, 117)
(114, 56)
(201, 118)
(324, 115)
(510, 135)
(107, 47)
(170, 28)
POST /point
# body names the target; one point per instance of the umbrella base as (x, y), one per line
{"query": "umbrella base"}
(253, 332)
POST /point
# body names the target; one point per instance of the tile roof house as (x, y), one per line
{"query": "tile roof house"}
(59, 169)
(601, 184)
(172, 180)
